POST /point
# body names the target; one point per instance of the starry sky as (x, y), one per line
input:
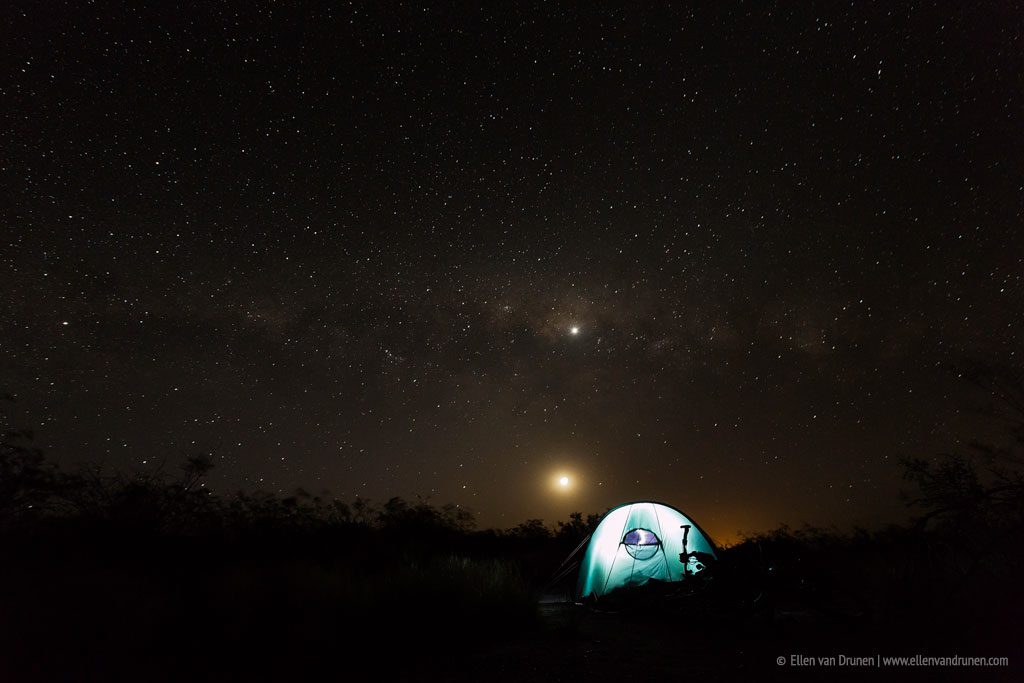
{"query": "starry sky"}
(730, 256)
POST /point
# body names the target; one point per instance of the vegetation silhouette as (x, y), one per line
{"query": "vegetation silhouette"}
(151, 576)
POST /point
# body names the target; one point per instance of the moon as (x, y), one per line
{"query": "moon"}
(563, 482)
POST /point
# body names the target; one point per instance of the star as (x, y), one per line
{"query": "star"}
(459, 321)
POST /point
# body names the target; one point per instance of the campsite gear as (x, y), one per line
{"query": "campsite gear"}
(635, 543)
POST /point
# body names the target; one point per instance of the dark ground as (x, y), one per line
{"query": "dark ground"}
(246, 613)
(582, 645)
(242, 620)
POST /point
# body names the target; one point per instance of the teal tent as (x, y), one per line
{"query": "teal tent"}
(641, 541)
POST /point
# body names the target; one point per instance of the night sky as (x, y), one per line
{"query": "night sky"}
(730, 257)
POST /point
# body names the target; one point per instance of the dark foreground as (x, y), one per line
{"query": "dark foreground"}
(570, 644)
(447, 619)
(586, 645)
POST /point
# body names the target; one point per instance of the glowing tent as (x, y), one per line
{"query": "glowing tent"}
(641, 541)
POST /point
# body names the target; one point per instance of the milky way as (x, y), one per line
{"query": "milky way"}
(730, 258)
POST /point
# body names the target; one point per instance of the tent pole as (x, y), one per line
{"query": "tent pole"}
(684, 556)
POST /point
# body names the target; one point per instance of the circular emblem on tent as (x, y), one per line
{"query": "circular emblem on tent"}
(641, 544)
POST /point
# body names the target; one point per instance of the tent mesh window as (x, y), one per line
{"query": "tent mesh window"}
(641, 544)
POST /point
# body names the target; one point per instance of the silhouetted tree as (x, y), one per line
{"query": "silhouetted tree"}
(28, 484)
(458, 518)
(531, 529)
(985, 484)
(577, 527)
(362, 511)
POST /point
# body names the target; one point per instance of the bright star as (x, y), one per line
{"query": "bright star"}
(574, 330)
